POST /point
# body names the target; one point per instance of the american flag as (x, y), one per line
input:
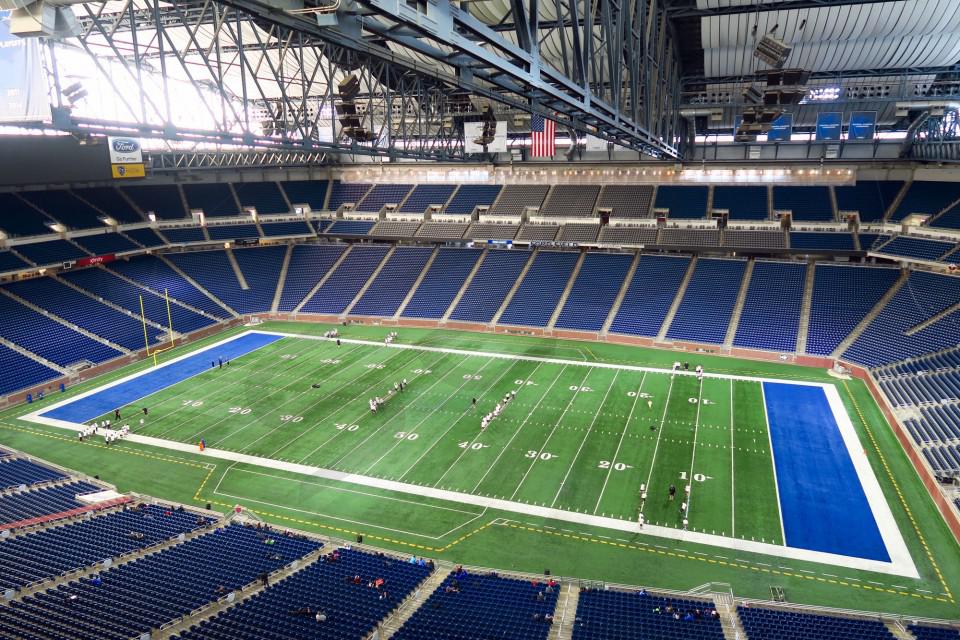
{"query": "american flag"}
(543, 142)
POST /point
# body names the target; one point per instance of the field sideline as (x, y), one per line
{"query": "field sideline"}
(602, 438)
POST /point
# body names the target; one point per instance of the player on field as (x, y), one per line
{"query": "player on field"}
(673, 492)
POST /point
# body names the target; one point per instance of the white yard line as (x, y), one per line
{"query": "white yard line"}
(623, 434)
(396, 415)
(903, 567)
(467, 411)
(656, 447)
(578, 363)
(533, 462)
(426, 417)
(322, 399)
(693, 456)
(517, 432)
(733, 484)
(356, 421)
(586, 436)
(901, 562)
(480, 433)
(206, 410)
(773, 463)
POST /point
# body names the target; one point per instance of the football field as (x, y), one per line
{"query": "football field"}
(795, 480)
(621, 444)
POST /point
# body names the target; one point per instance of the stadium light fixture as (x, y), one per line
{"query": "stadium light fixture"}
(152, 216)
(56, 227)
(107, 220)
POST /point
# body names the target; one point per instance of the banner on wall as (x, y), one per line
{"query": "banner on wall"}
(829, 125)
(781, 129)
(126, 157)
(473, 131)
(23, 85)
(863, 125)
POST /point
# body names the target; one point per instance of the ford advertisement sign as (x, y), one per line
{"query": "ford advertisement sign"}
(125, 151)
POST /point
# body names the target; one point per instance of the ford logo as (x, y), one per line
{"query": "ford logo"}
(125, 145)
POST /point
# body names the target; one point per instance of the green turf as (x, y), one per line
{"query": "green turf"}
(600, 444)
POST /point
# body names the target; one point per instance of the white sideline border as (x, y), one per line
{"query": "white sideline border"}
(901, 563)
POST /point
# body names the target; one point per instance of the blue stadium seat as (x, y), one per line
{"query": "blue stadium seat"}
(109, 286)
(605, 614)
(871, 198)
(842, 296)
(383, 194)
(21, 371)
(292, 228)
(469, 196)
(184, 234)
(45, 501)
(806, 203)
(10, 262)
(770, 624)
(350, 227)
(20, 471)
(21, 219)
(101, 244)
(54, 551)
(214, 198)
(923, 296)
(233, 232)
(651, 292)
(311, 192)
(704, 313)
(346, 281)
(771, 311)
(541, 288)
(50, 252)
(308, 264)
(47, 338)
(156, 274)
(441, 283)
(352, 610)
(821, 241)
(344, 192)
(132, 599)
(496, 276)
(479, 607)
(163, 200)
(594, 291)
(743, 203)
(265, 197)
(425, 195)
(64, 207)
(922, 632)
(683, 202)
(920, 248)
(109, 201)
(927, 198)
(82, 311)
(390, 287)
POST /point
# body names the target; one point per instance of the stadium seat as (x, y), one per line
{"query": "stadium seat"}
(707, 304)
(469, 196)
(441, 283)
(651, 292)
(771, 311)
(308, 264)
(352, 610)
(594, 291)
(496, 276)
(538, 293)
(842, 296)
(478, 607)
(393, 282)
(345, 282)
(603, 614)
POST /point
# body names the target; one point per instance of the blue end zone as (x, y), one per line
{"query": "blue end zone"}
(98, 404)
(823, 505)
